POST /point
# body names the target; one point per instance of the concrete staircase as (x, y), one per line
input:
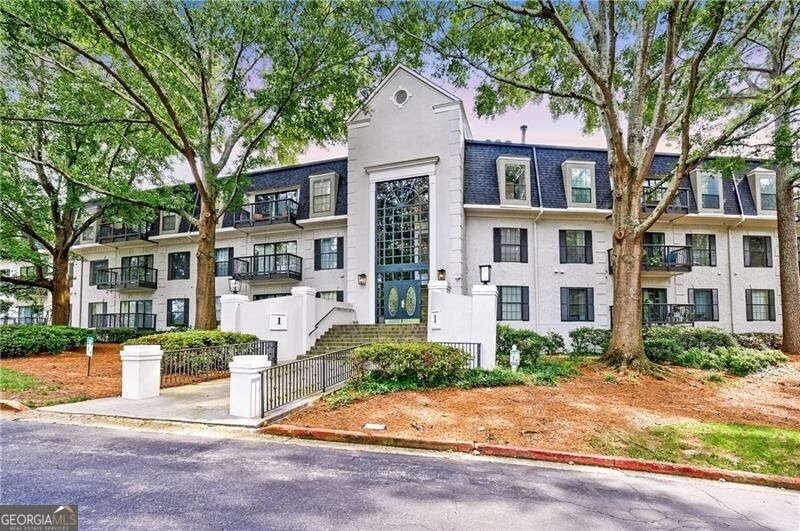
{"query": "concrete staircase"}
(339, 337)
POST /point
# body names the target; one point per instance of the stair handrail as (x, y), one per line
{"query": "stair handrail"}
(316, 326)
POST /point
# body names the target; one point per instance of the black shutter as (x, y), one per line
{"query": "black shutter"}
(748, 301)
(340, 296)
(771, 294)
(499, 303)
(715, 304)
(712, 249)
(590, 303)
(565, 304)
(340, 253)
(496, 244)
(562, 246)
(230, 261)
(317, 261)
(588, 243)
(170, 275)
(523, 246)
(746, 244)
(319, 295)
(768, 247)
(525, 304)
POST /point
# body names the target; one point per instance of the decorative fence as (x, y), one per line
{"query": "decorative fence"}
(473, 350)
(193, 365)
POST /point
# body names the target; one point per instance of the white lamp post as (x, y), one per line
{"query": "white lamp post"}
(485, 273)
(234, 286)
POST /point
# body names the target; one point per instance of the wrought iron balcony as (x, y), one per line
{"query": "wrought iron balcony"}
(651, 197)
(33, 320)
(121, 278)
(139, 321)
(264, 216)
(671, 259)
(122, 236)
(268, 267)
(663, 314)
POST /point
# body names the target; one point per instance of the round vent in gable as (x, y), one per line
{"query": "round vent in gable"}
(400, 97)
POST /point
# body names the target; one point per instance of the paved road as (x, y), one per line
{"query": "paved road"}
(124, 479)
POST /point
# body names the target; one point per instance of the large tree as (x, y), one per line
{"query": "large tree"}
(641, 72)
(228, 85)
(56, 135)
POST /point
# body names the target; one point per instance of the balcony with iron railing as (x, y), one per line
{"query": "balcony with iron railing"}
(662, 259)
(116, 235)
(652, 196)
(139, 321)
(284, 266)
(665, 314)
(265, 216)
(126, 278)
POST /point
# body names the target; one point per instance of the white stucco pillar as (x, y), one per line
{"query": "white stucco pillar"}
(245, 386)
(308, 314)
(438, 286)
(141, 371)
(229, 306)
(484, 323)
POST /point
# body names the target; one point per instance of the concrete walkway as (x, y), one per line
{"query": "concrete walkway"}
(205, 403)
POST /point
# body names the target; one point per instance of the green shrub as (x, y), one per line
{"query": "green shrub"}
(698, 358)
(119, 335)
(553, 343)
(706, 338)
(427, 364)
(549, 371)
(22, 340)
(529, 343)
(589, 341)
(661, 349)
(193, 339)
(760, 340)
(742, 361)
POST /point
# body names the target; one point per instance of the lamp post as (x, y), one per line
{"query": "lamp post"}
(485, 273)
(234, 286)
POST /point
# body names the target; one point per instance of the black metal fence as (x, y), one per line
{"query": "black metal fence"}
(473, 350)
(139, 321)
(287, 382)
(206, 363)
(34, 320)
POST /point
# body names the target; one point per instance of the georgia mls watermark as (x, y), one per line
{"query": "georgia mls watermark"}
(38, 517)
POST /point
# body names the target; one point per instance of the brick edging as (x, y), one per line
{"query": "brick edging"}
(519, 452)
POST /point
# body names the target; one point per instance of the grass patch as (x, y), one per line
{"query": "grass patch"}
(57, 401)
(744, 447)
(714, 379)
(610, 378)
(546, 372)
(12, 381)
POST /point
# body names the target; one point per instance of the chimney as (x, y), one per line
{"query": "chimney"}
(523, 129)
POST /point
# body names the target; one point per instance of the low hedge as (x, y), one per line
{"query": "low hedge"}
(735, 360)
(589, 341)
(760, 340)
(427, 364)
(24, 340)
(530, 344)
(119, 335)
(193, 339)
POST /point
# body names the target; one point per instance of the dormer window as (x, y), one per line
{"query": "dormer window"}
(323, 194)
(514, 180)
(763, 187)
(89, 234)
(579, 183)
(169, 222)
(709, 191)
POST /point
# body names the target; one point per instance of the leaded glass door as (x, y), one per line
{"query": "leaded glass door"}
(401, 300)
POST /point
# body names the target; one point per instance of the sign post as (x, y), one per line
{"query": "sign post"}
(89, 352)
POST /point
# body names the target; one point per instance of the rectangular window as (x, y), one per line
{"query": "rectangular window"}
(575, 246)
(577, 304)
(223, 262)
(275, 205)
(331, 295)
(321, 191)
(178, 266)
(89, 234)
(515, 182)
(94, 267)
(706, 304)
(265, 296)
(273, 257)
(177, 312)
(766, 187)
(169, 222)
(27, 272)
(709, 191)
(96, 308)
(581, 185)
(760, 304)
(328, 253)
(512, 303)
(510, 245)
(704, 249)
(136, 314)
(757, 251)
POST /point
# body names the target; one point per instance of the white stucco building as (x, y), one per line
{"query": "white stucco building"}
(418, 199)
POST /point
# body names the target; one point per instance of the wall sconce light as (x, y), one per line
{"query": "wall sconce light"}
(362, 279)
(486, 273)
(441, 274)
(234, 286)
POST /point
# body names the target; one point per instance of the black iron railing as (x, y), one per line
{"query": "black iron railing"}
(275, 211)
(33, 320)
(473, 350)
(109, 233)
(651, 197)
(126, 277)
(662, 313)
(284, 265)
(139, 321)
(287, 382)
(206, 363)
(677, 258)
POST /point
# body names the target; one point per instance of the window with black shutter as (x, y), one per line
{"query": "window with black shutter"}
(575, 246)
(510, 245)
(704, 249)
(760, 304)
(577, 304)
(328, 253)
(706, 304)
(757, 251)
(178, 266)
(223, 262)
(94, 267)
(513, 303)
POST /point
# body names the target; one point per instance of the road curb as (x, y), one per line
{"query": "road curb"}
(538, 454)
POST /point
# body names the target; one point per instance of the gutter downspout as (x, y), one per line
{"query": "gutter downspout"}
(537, 269)
(730, 257)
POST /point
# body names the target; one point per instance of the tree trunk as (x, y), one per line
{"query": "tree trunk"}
(60, 293)
(787, 255)
(205, 317)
